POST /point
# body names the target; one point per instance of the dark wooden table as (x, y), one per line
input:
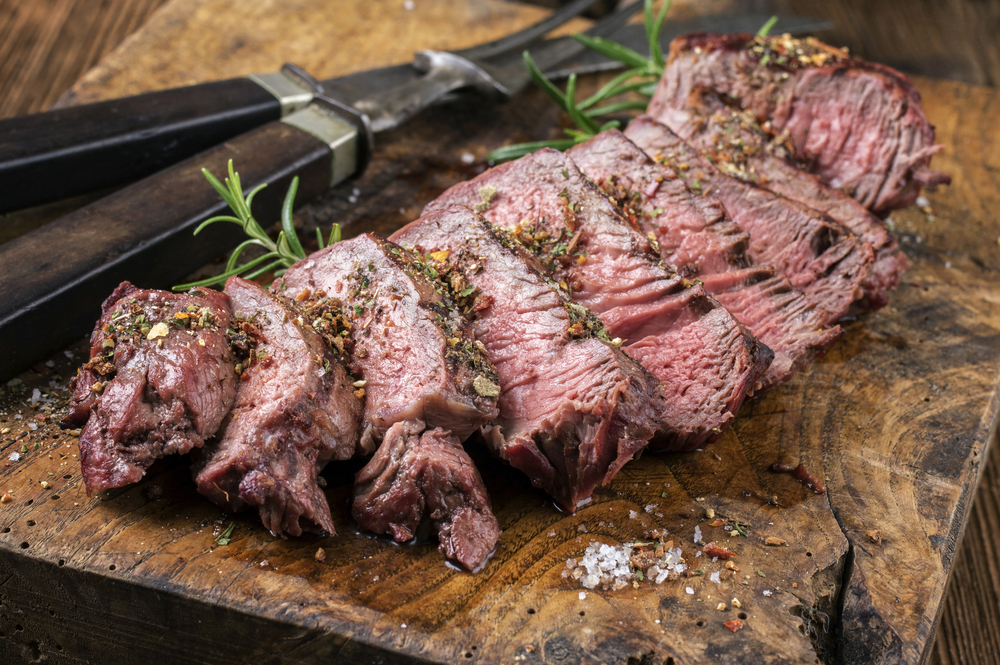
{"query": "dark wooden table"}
(46, 45)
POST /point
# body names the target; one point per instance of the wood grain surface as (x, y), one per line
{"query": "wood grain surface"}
(897, 417)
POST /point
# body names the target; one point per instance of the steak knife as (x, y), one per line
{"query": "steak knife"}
(65, 152)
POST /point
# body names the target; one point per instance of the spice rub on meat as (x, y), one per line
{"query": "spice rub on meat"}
(419, 477)
(856, 124)
(410, 348)
(159, 381)
(705, 359)
(697, 236)
(418, 366)
(295, 411)
(740, 148)
(573, 408)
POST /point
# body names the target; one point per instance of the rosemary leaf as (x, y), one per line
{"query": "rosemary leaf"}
(613, 50)
(268, 268)
(509, 152)
(765, 29)
(653, 28)
(609, 89)
(286, 220)
(616, 107)
(546, 85)
(221, 279)
(234, 257)
(581, 120)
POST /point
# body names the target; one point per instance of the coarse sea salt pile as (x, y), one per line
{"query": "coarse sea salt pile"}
(612, 566)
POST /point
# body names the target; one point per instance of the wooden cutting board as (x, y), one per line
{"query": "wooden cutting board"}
(896, 418)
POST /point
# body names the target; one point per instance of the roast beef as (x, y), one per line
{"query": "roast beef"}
(705, 359)
(295, 411)
(857, 124)
(818, 255)
(739, 148)
(697, 236)
(418, 476)
(420, 367)
(408, 344)
(159, 381)
(573, 407)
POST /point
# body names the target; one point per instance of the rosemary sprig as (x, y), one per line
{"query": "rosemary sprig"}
(281, 253)
(641, 77)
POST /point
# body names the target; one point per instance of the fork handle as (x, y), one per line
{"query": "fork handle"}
(70, 151)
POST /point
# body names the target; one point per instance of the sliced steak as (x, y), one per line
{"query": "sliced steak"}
(856, 124)
(295, 411)
(573, 408)
(819, 256)
(408, 343)
(420, 367)
(697, 236)
(738, 147)
(159, 381)
(705, 359)
(418, 476)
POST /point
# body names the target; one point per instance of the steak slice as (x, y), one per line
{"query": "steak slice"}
(573, 408)
(416, 477)
(819, 256)
(295, 411)
(407, 342)
(739, 148)
(856, 124)
(697, 236)
(706, 360)
(159, 382)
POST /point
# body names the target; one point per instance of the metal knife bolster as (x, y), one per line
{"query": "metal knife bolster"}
(291, 86)
(347, 131)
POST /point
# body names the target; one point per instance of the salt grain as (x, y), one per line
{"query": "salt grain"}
(651, 507)
(922, 202)
(15, 457)
(468, 158)
(697, 534)
(610, 566)
(689, 591)
(767, 592)
(583, 595)
(715, 577)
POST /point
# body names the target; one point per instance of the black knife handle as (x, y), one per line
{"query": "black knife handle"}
(64, 152)
(55, 277)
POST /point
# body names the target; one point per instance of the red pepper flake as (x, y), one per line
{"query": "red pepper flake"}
(733, 625)
(875, 536)
(715, 551)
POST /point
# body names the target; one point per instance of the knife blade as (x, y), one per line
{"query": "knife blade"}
(65, 152)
